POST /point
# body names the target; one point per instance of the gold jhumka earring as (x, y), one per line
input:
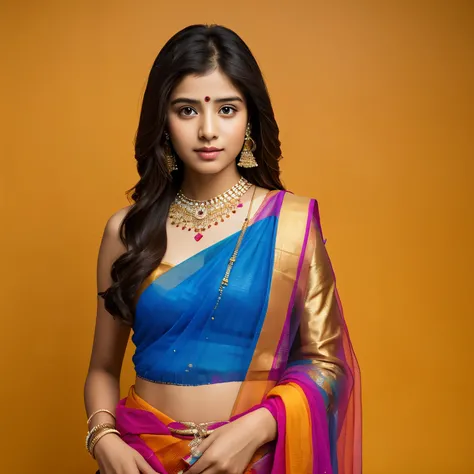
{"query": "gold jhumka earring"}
(171, 163)
(247, 160)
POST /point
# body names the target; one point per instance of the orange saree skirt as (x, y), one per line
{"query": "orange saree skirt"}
(170, 449)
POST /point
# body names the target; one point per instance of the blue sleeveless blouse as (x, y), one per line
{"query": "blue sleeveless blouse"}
(179, 339)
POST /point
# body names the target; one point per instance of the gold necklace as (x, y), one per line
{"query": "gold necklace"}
(199, 216)
(233, 258)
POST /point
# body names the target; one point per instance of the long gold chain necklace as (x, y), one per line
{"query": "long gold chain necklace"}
(199, 216)
(233, 258)
(200, 430)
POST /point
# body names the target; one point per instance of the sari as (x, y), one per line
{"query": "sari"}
(279, 329)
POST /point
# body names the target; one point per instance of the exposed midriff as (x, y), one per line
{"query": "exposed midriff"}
(200, 403)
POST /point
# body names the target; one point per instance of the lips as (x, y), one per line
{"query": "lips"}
(209, 149)
(208, 153)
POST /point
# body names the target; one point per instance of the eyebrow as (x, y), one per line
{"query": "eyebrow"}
(197, 102)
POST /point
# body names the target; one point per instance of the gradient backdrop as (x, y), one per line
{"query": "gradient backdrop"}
(375, 105)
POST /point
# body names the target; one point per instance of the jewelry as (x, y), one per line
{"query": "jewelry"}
(171, 163)
(198, 430)
(100, 411)
(207, 98)
(99, 436)
(202, 215)
(233, 258)
(247, 160)
(96, 428)
(193, 429)
(195, 452)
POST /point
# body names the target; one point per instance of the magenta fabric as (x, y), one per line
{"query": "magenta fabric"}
(132, 422)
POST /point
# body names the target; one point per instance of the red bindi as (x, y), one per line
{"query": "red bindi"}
(207, 98)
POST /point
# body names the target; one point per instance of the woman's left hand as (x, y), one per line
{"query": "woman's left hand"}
(230, 448)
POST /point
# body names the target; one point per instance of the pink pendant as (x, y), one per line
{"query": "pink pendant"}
(240, 205)
(198, 237)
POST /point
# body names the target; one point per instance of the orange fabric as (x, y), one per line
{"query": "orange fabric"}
(169, 449)
(298, 438)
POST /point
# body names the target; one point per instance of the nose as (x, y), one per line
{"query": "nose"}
(208, 126)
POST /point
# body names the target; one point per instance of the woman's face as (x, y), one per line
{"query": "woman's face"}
(207, 112)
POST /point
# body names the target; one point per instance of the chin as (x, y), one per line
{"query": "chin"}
(209, 167)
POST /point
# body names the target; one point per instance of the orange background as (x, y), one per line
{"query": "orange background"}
(375, 105)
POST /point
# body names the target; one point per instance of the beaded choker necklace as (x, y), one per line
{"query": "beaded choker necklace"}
(199, 216)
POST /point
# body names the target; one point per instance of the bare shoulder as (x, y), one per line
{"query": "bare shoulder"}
(114, 222)
(111, 248)
(111, 236)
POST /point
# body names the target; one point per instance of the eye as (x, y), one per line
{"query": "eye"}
(228, 110)
(186, 111)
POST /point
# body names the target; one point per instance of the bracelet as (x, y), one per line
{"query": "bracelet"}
(91, 435)
(99, 437)
(100, 411)
(94, 430)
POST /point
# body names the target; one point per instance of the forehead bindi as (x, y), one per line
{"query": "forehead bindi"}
(218, 100)
(201, 87)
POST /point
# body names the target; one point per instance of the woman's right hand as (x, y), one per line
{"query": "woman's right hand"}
(114, 456)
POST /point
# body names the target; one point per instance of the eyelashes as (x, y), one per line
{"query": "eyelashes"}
(232, 109)
(187, 111)
(184, 109)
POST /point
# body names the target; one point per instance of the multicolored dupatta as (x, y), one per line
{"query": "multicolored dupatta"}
(297, 356)
(304, 359)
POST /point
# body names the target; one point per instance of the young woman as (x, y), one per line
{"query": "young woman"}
(243, 359)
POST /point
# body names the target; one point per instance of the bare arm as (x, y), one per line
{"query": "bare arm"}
(102, 387)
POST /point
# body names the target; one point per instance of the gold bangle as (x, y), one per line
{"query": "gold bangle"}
(101, 425)
(101, 410)
(90, 434)
(91, 437)
(99, 437)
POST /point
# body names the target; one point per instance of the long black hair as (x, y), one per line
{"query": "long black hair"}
(197, 50)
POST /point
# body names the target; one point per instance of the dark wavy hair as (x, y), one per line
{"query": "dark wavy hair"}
(197, 50)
